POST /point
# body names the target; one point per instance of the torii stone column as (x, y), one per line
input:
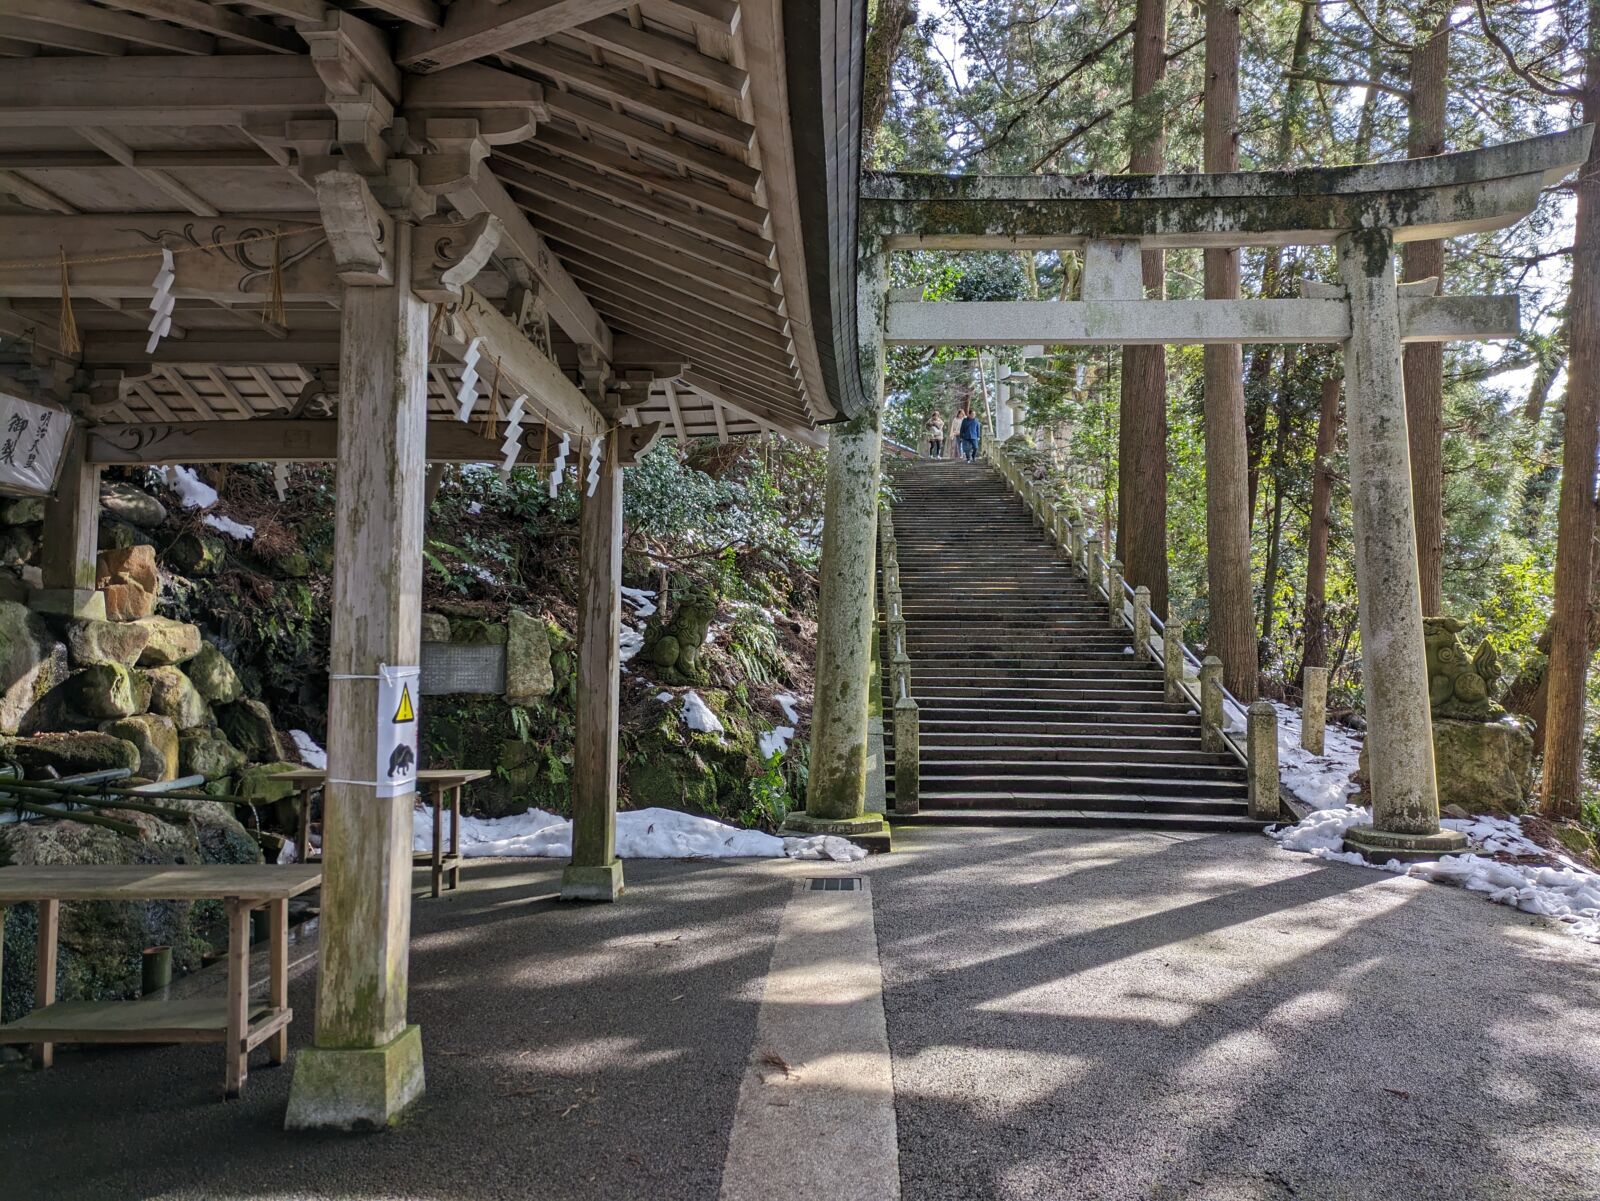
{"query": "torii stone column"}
(1405, 794)
(1004, 419)
(836, 793)
(366, 1064)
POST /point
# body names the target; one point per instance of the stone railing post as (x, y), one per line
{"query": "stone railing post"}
(1114, 594)
(1172, 654)
(1313, 708)
(907, 755)
(900, 669)
(1141, 623)
(897, 630)
(1211, 703)
(1261, 751)
(1091, 560)
(1075, 542)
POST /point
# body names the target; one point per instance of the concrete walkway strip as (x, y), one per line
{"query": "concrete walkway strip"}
(816, 1108)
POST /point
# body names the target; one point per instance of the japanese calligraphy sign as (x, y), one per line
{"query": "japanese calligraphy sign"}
(33, 440)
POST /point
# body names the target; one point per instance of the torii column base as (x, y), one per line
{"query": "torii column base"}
(355, 1088)
(1380, 846)
(592, 882)
(869, 830)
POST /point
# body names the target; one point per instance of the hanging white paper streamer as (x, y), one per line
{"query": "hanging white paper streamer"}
(596, 445)
(467, 390)
(162, 302)
(512, 446)
(280, 479)
(558, 472)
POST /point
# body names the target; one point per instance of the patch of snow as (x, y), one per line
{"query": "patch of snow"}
(194, 492)
(234, 529)
(642, 600)
(288, 852)
(1127, 650)
(484, 574)
(775, 742)
(310, 753)
(1570, 894)
(824, 846)
(475, 508)
(665, 697)
(697, 715)
(629, 642)
(1321, 781)
(788, 704)
(641, 834)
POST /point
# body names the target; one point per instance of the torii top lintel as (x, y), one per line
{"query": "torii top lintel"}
(1418, 199)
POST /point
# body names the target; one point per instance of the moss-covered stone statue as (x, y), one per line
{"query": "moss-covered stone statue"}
(674, 646)
(1459, 686)
(1483, 758)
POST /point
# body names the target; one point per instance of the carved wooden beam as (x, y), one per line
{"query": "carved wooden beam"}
(266, 440)
(360, 233)
(445, 258)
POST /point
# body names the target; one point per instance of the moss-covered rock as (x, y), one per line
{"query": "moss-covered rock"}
(674, 767)
(248, 725)
(119, 535)
(31, 664)
(213, 676)
(18, 546)
(173, 695)
(435, 627)
(208, 753)
(528, 673)
(1483, 766)
(276, 800)
(102, 691)
(90, 642)
(476, 631)
(296, 565)
(171, 642)
(197, 554)
(70, 753)
(156, 738)
(22, 510)
(130, 504)
(528, 748)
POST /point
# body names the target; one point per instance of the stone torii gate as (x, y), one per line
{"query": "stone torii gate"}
(1363, 211)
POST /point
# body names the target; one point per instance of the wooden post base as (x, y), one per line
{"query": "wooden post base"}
(365, 1088)
(581, 882)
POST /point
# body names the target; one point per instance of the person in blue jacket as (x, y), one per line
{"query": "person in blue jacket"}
(970, 434)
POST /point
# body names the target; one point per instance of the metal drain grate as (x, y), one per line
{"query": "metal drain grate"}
(834, 884)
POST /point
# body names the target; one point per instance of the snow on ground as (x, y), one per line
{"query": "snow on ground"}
(629, 642)
(642, 600)
(697, 715)
(195, 493)
(1321, 781)
(788, 703)
(310, 753)
(1569, 893)
(236, 530)
(775, 741)
(641, 834)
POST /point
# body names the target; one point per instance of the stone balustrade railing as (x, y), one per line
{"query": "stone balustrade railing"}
(1248, 732)
(906, 715)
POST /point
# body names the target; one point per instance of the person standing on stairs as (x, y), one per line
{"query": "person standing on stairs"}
(970, 433)
(935, 431)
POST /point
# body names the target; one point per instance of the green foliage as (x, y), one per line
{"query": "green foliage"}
(769, 795)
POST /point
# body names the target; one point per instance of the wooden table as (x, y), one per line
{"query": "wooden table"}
(443, 783)
(231, 1020)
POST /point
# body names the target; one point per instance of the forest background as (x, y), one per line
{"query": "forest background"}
(1026, 86)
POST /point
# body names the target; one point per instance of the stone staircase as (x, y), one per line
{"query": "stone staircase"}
(1033, 710)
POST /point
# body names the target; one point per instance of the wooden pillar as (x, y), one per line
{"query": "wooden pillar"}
(70, 547)
(595, 872)
(1404, 793)
(366, 1066)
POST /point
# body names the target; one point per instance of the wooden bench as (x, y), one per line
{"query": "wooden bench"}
(233, 1020)
(444, 784)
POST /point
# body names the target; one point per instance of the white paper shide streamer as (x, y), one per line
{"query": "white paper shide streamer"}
(467, 390)
(162, 302)
(559, 471)
(280, 479)
(596, 445)
(512, 446)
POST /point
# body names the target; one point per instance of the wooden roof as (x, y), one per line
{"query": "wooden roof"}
(642, 157)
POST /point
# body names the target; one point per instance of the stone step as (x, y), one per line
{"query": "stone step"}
(1079, 818)
(937, 781)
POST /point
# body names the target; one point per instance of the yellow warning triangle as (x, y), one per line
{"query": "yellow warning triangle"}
(405, 712)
